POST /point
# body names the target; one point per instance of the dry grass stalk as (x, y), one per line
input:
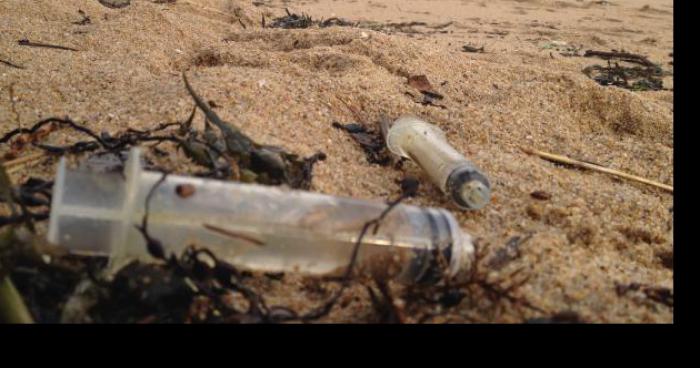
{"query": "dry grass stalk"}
(598, 168)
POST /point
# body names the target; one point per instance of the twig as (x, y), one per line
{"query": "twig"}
(26, 42)
(11, 64)
(12, 307)
(23, 160)
(598, 168)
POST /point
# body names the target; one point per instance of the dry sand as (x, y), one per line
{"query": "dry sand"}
(285, 87)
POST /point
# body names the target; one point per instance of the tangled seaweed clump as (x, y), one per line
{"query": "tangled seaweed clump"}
(643, 75)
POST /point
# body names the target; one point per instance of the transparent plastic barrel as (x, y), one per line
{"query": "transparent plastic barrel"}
(425, 144)
(254, 227)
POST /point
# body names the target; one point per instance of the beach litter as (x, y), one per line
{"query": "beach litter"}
(410, 138)
(182, 251)
(426, 144)
(197, 284)
(160, 275)
(250, 226)
(113, 216)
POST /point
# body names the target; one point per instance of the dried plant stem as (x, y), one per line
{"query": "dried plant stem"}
(23, 160)
(598, 168)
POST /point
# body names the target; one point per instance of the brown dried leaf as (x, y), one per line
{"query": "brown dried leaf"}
(421, 83)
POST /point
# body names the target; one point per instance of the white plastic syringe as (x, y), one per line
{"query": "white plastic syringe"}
(253, 227)
(425, 144)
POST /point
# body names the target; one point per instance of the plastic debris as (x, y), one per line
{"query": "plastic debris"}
(425, 143)
(254, 227)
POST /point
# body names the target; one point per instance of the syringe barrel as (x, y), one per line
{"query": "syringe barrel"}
(252, 226)
(425, 144)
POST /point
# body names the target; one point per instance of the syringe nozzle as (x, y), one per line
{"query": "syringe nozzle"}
(469, 189)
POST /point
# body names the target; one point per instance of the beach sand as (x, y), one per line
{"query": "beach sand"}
(286, 87)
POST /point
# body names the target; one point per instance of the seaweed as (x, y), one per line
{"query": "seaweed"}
(475, 290)
(371, 141)
(292, 21)
(115, 4)
(508, 253)
(644, 76)
(563, 317)
(229, 154)
(657, 294)
(303, 21)
(265, 164)
(469, 48)
(84, 20)
(666, 258)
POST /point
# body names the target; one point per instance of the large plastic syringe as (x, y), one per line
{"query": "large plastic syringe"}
(253, 227)
(425, 144)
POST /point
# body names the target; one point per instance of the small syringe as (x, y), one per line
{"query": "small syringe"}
(426, 145)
